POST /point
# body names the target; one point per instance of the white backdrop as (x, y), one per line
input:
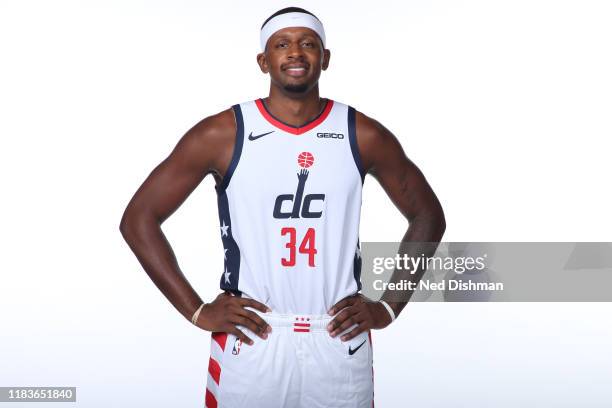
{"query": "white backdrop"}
(504, 105)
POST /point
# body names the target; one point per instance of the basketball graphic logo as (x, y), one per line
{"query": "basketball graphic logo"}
(305, 160)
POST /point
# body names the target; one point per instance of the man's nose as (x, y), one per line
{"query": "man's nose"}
(295, 50)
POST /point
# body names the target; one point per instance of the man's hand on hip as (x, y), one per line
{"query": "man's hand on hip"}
(226, 312)
(360, 310)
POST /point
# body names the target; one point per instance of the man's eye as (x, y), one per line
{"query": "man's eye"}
(308, 44)
(281, 45)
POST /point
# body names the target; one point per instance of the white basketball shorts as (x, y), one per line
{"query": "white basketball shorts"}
(298, 366)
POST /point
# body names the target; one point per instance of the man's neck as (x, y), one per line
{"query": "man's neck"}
(294, 110)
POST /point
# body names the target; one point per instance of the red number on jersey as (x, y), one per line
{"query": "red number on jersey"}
(290, 245)
(306, 247)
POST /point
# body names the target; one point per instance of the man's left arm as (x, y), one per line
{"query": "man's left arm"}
(382, 157)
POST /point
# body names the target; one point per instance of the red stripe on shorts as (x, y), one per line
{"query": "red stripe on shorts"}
(220, 338)
(211, 401)
(214, 369)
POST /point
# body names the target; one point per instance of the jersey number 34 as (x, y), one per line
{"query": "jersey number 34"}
(307, 246)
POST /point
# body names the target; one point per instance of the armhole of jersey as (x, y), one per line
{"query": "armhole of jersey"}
(237, 149)
(353, 142)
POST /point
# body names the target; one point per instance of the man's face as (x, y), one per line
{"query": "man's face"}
(294, 58)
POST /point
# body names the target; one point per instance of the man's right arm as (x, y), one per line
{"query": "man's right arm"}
(206, 148)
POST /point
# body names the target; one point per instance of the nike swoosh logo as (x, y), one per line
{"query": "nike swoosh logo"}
(353, 351)
(251, 137)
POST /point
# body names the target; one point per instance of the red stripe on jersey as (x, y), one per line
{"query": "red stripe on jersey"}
(220, 338)
(211, 401)
(292, 129)
(302, 324)
(214, 369)
(301, 330)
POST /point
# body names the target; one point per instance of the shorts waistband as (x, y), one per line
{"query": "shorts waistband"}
(299, 322)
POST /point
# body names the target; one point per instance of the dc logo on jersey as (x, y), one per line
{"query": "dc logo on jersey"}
(301, 203)
(237, 345)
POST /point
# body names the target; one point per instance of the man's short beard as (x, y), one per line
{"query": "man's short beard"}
(296, 88)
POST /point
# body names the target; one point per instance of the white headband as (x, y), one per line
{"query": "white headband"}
(295, 19)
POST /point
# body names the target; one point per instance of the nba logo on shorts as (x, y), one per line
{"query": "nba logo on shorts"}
(236, 349)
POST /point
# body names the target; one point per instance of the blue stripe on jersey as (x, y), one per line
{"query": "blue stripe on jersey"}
(237, 149)
(231, 265)
(353, 142)
(357, 266)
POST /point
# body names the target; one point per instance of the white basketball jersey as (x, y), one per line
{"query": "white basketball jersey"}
(289, 209)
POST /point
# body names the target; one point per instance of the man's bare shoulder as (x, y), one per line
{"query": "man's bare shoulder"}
(215, 129)
(373, 139)
(209, 144)
(369, 130)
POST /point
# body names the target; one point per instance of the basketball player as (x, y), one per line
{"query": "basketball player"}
(290, 328)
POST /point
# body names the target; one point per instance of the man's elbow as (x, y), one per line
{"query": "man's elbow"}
(138, 220)
(434, 222)
(130, 221)
(126, 224)
(441, 225)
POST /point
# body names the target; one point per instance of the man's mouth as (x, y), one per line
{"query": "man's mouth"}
(296, 70)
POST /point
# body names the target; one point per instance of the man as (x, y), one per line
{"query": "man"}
(290, 328)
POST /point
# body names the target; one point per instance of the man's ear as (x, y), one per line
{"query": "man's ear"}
(326, 57)
(263, 63)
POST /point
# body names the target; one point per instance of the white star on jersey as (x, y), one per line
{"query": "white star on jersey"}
(224, 253)
(358, 252)
(224, 229)
(227, 274)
